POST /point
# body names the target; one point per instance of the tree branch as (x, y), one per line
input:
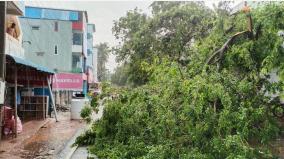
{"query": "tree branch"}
(221, 52)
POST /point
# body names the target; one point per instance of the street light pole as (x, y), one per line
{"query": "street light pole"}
(2, 39)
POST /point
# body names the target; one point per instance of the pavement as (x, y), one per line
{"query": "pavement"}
(42, 139)
(82, 152)
(68, 149)
(48, 139)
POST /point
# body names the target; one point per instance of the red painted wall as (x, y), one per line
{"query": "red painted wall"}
(77, 26)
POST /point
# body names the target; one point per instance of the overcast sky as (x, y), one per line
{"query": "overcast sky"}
(102, 14)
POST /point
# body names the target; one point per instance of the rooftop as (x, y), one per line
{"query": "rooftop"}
(53, 13)
(56, 9)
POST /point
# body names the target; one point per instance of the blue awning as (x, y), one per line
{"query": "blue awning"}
(31, 64)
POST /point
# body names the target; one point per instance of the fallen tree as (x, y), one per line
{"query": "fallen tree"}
(221, 113)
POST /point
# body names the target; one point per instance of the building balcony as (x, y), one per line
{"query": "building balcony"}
(16, 8)
(14, 47)
(77, 48)
(76, 70)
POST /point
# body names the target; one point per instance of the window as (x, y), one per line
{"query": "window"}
(55, 50)
(89, 36)
(76, 63)
(35, 27)
(89, 52)
(56, 26)
(77, 38)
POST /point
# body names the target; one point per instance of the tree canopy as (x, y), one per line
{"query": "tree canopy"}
(170, 32)
(103, 54)
(186, 105)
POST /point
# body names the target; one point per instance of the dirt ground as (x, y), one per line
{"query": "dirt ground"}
(48, 141)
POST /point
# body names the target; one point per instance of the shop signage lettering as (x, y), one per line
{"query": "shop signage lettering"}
(67, 81)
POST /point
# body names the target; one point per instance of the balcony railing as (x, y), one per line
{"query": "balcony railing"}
(14, 47)
(77, 70)
(77, 48)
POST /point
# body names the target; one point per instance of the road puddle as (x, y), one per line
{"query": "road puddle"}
(49, 140)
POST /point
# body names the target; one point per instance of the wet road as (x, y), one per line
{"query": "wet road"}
(49, 140)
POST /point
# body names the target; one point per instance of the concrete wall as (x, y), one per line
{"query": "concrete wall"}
(43, 41)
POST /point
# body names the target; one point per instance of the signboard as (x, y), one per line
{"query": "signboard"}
(67, 81)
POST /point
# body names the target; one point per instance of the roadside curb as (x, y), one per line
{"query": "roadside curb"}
(68, 150)
(71, 150)
(69, 155)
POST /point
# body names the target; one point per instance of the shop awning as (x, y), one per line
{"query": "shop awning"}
(30, 64)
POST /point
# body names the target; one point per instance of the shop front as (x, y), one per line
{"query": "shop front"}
(65, 86)
(22, 102)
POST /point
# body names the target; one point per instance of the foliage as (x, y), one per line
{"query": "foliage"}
(108, 90)
(87, 138)
(120, 76)
(103, 54)
(169, 33)
(194, 110)
(86, 113)
(94, 101)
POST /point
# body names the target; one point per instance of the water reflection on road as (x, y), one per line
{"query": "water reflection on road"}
(50, 139)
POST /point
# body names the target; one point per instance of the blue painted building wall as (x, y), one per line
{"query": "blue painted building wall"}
(52, 14)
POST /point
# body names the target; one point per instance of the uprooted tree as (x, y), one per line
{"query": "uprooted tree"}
(194, 101)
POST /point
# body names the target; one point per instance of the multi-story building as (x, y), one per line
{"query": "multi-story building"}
(91, 57)
(22, 75)
(58, 39)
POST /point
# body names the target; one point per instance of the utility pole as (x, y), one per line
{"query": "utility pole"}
(2, 39)
(2, 51)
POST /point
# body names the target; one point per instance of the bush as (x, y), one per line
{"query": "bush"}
(86, 113)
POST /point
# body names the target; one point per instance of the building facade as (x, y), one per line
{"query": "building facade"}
(21, 77)
(58, 39)
(54, 36)
(91, 54)
(48, 42)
